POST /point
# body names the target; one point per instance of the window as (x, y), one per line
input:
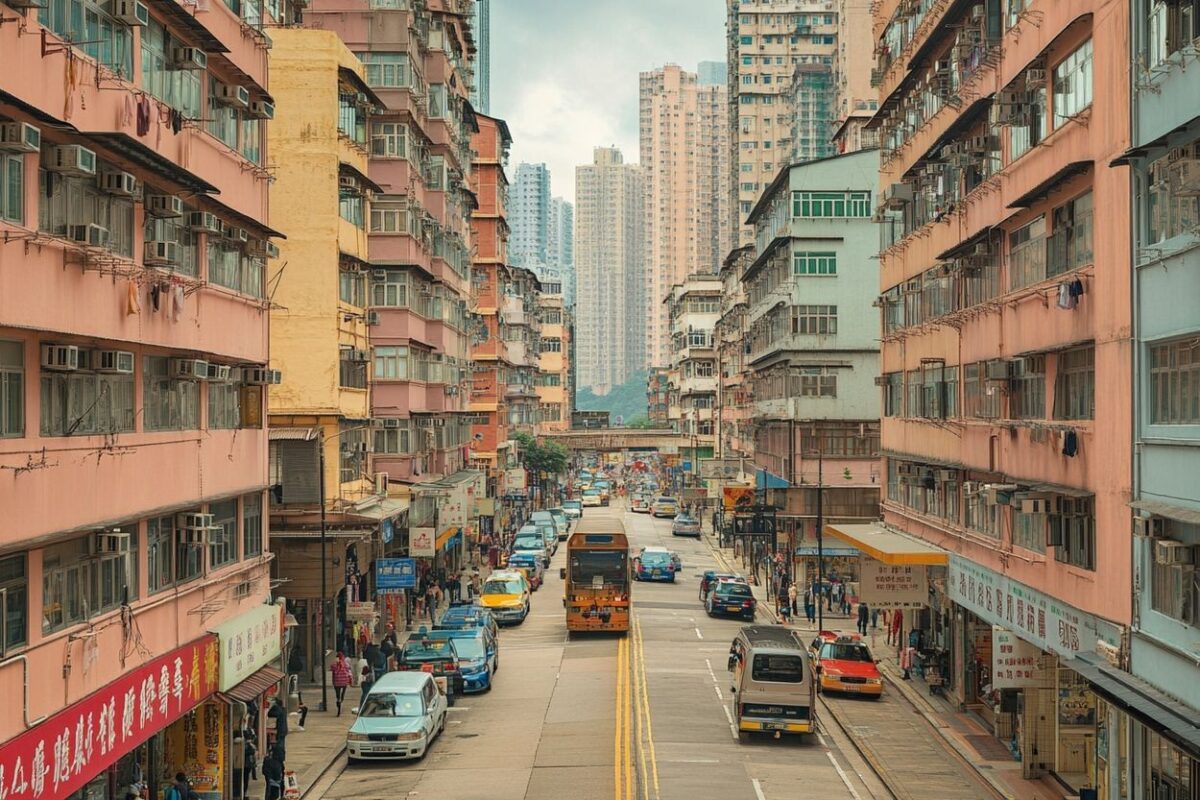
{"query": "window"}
(75, 403)
(1031, 131)
(169, 404)
(1073, 533)
(437, 100)
(352, 288)
(178, 88)
(981, 400)
(1070, 243)
(1173, 25)
(1027, 254)
(1173, 205)
(391, 363)
(1029, 531)
(389, 70)
(77, 585)
(12, 389)
(821, 320)
(773, 668)
(550, 412)
(67, 202)
(1027, 394)
(171, 560)
(12, 188)
(1073, 84)
(817, 382)
(1174, 382)
(814, 263)
(551, 344)
(252, 526)
(831, 204)
(893, 394)
(229, 268)
(222, 119)
(552, 317)
(1075, 384)
(222, 538)
(395, 441)
(224, 410)
(551, 379)
(187, 241)
(350, 207)
(352, 459)
(979, 515)
(389, 140)
(352, 368)
(1174, 588)
(352, 117)
(101, 37)
(14, 602)
(391, 289)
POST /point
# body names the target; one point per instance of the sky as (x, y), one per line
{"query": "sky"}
(565, 72)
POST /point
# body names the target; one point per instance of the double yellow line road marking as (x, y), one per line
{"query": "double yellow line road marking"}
(634, 737)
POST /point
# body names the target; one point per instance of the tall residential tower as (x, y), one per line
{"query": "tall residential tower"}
(481, 80)
(529, 216)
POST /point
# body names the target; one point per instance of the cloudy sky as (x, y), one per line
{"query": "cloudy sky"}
(565, 72)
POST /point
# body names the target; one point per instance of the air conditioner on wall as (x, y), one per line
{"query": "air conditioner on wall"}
(194, 521)
(1172, 552)
(117, 362)
(164, 206)
(1148, 526)
(71, 159)
(20, 137)
(193, 369)
(108, 542)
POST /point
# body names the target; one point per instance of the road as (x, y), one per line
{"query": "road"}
(615, 718)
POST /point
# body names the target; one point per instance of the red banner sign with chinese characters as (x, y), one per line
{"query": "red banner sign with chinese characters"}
(60, 755)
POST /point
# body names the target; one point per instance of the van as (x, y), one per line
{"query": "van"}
(773, 687)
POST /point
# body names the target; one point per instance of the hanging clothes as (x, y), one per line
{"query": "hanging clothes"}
(176, 121)
(176, 302)
(133, 305)
(155, 296)
(1076, 289)
(127, 111)
(1070, 444)
(1065, 300)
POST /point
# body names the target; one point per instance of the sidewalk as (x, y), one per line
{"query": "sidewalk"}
(960, 732)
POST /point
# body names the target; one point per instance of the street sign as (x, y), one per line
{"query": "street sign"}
(714, 468)
(395, 574)
(753, 525)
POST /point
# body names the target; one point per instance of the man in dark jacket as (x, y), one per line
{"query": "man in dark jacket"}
(864, 617)
(278, 713)
(272, 769)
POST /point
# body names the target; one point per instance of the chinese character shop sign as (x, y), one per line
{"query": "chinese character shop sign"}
(893, 586)
(1014, 661)
(248, 642)
(56, 758)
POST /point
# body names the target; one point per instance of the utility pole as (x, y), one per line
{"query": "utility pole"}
(820, 539)
(324, 563)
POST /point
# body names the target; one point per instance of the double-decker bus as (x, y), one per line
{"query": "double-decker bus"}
(597, 576)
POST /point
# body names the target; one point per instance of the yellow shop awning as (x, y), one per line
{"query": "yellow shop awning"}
(887, 545)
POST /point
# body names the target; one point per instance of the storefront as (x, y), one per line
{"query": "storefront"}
(1023, 658)
(113, 738)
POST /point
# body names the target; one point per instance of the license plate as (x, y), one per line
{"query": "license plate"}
(656, 573)
(733, 609)
(849, 687)
(774, 726)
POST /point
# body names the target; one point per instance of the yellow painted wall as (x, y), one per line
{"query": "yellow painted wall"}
(308, 321)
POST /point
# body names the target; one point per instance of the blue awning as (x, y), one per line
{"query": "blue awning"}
(453, 541)
(766, 479)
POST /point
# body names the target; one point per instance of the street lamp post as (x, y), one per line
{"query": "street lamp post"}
(820, 541)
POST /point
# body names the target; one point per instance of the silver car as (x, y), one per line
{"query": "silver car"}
(400, 717)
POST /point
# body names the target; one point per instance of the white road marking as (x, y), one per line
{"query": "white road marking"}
(732, 728)
(699, 635)
(758, 792)
(711, 674)
(691, 761)
(459, 708)
(842, 774)
(720, 696)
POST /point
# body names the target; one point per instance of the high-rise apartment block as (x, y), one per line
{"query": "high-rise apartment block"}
(560, 247)
(684, 159)
(1006, 359)
(481, 77)
(134, 296)
(609, 231)
(769, 45)
(855, 99)
(712, 73)
(529, 216)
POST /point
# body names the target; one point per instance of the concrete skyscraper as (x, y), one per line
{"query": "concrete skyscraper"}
(685, 158)
(481, 81)
(529, 216)
(767, 45)
(712, 73)
(560, 245)
(610, 332)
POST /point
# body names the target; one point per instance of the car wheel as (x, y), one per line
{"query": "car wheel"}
(351, 761)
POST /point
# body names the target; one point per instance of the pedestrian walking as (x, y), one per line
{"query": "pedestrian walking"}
(272, 769)
(464, 584)
(181, 789)
(874, 619)
(366, 681)
(431, 600)
(476, 583)
(810, 606)
(864, 616)
(278, 713)
(894, 634)
(342, 677)
(793, 595)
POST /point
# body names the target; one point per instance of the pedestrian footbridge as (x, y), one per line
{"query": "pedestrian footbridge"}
(664, 440)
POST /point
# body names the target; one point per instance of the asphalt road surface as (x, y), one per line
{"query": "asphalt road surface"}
(643, 716)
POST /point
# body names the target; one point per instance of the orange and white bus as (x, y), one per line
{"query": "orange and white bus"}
(597, 576)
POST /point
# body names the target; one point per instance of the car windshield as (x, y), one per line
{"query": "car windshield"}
(429, 650)
(502, 586)
(846, 652)
(591, 492)
(684, 519)
(609, 566)
(528, 543)
(392, 705)
(665, 500)
(733, 589)
(656, 559)
(777, 668)
(469, 647)
(575, 504)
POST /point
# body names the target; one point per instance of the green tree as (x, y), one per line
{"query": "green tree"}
(550, 457)
(640, 421)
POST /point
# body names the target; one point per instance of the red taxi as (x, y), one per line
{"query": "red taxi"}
(845, 664)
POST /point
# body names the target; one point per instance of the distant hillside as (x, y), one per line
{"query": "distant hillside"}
(626, 401)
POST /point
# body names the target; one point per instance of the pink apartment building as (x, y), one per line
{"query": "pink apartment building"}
(133, 367)
(1006, 355)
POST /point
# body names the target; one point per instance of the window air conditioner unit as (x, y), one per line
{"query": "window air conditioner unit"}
(358, 355)
(164, 253)
(1014, 97)
(194, 521)
(271, 250)
(164, 206)
(230, 94)
(203, 222)
(372, 317)
(194, 537)
(881, 380)
(391, 422)
(381, 483)
(1148, 526)
(255, 375)
(219, 372)
(71, 159)
(192, 369)
(897, 195)
(1037, 505)
(347, 182)
(945, 475)
(262, 109)
(60, 357)
(379, 274)
(131, 12)
(117, 362)
(20, 137)
(91, 235)
(1035, 76)
(236, 234)
(999, 370)
(110, 542)
(972, 488)
(189, 58)
(1170, 552)
(274, 377)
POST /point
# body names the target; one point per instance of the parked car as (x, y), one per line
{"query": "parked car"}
(400, 717)
(573, 509)
(685, 525)
(664, 507)
(506, 594)
(478, 656)
(463, 616)
(531, 540)
(591, 498)
(558, 530)
(531, 565)
(422, 654)
(730, 598)
(560, 516)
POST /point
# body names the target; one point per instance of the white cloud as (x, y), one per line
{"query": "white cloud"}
(565, 72)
